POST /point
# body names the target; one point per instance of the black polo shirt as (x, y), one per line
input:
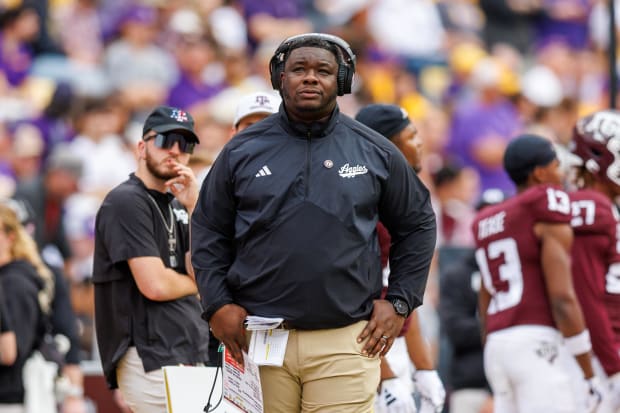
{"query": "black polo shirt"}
(129, 225)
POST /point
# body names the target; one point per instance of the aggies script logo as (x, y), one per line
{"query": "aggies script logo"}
(347, 171)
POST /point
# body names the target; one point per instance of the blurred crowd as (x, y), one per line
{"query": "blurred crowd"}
(78, 77)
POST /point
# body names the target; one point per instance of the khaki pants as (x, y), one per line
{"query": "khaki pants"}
(143, 392)
(323, 371)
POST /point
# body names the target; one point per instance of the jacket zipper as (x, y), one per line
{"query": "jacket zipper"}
(308, 159)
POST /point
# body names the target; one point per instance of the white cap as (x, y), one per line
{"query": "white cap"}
(258, 102)
(186, 21)
(542, 87)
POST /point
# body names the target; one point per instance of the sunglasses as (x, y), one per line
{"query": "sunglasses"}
(168, 140)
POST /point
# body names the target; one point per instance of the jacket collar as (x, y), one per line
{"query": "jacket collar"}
(308, 130)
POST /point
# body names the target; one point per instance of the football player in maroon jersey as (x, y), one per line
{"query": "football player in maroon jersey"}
(532, 321)
(596, 247)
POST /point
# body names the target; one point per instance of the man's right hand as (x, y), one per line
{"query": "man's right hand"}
(227, 325)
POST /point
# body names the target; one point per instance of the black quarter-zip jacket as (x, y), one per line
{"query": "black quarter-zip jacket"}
(285, 224)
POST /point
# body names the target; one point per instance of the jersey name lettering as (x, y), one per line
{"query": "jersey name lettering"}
(491, 225)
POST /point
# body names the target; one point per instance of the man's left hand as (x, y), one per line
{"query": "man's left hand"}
(384, 326)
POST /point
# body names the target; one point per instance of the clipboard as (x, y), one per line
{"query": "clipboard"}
(188, 387)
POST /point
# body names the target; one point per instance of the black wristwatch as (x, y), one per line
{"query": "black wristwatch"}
(400, 307)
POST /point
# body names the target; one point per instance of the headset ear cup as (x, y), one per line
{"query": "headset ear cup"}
(345, 79)
(274, 73)
(341, 79)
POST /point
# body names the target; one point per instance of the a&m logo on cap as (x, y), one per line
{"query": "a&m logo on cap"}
(262, 100)
(179, 115)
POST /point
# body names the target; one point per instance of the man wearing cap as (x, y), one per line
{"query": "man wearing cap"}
(528, 307)
(255, 107)
(146, 307)
(393, 122)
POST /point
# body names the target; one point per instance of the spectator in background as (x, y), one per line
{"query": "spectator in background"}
(409, 29)
(566, 20)
(509, 22)
(193, 52)
(230, 113)
(47, 196)
(136, 66)
(483, 125)
(99, 123)
(546, 112)
(455, 192)
(395, 391)
(61, 324)
(142, 270)
(54, 122)
(19, 25)
(253, 108)
(27, 284)
(273, 20)
(79, 33)
(27, 153)
(8, 341)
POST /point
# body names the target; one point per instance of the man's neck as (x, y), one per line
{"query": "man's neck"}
(309, 119)
(150, 181)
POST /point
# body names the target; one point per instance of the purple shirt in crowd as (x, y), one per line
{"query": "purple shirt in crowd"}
(186, 92)
(15, 65)
(471, 123)
(572, 32)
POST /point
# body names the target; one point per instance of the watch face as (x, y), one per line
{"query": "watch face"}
(400, 307)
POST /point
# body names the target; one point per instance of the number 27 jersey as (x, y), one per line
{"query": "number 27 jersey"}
(508, 253)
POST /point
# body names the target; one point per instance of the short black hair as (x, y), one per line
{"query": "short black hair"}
(313, 42)
(524, 153)
(446, 174)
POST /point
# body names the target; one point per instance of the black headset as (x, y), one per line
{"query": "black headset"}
(346, 68)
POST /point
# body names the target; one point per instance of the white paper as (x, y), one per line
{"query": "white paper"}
(188, 387)
(268, 347)
(242, 385)
(254, 322)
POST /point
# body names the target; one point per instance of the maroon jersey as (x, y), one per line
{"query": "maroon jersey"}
(596, 271)
(508, 254)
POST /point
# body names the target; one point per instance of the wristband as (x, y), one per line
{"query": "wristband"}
(579, 343)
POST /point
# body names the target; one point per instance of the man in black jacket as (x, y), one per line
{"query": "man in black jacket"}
(285, 226)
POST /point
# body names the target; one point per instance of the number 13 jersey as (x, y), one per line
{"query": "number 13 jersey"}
(508, 253)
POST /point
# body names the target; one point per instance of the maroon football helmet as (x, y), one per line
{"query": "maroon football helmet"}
(596, 140)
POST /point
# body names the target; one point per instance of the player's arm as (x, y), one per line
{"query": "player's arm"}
(158, 283)
(484, 298)
(556, 241)
(417, 347)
